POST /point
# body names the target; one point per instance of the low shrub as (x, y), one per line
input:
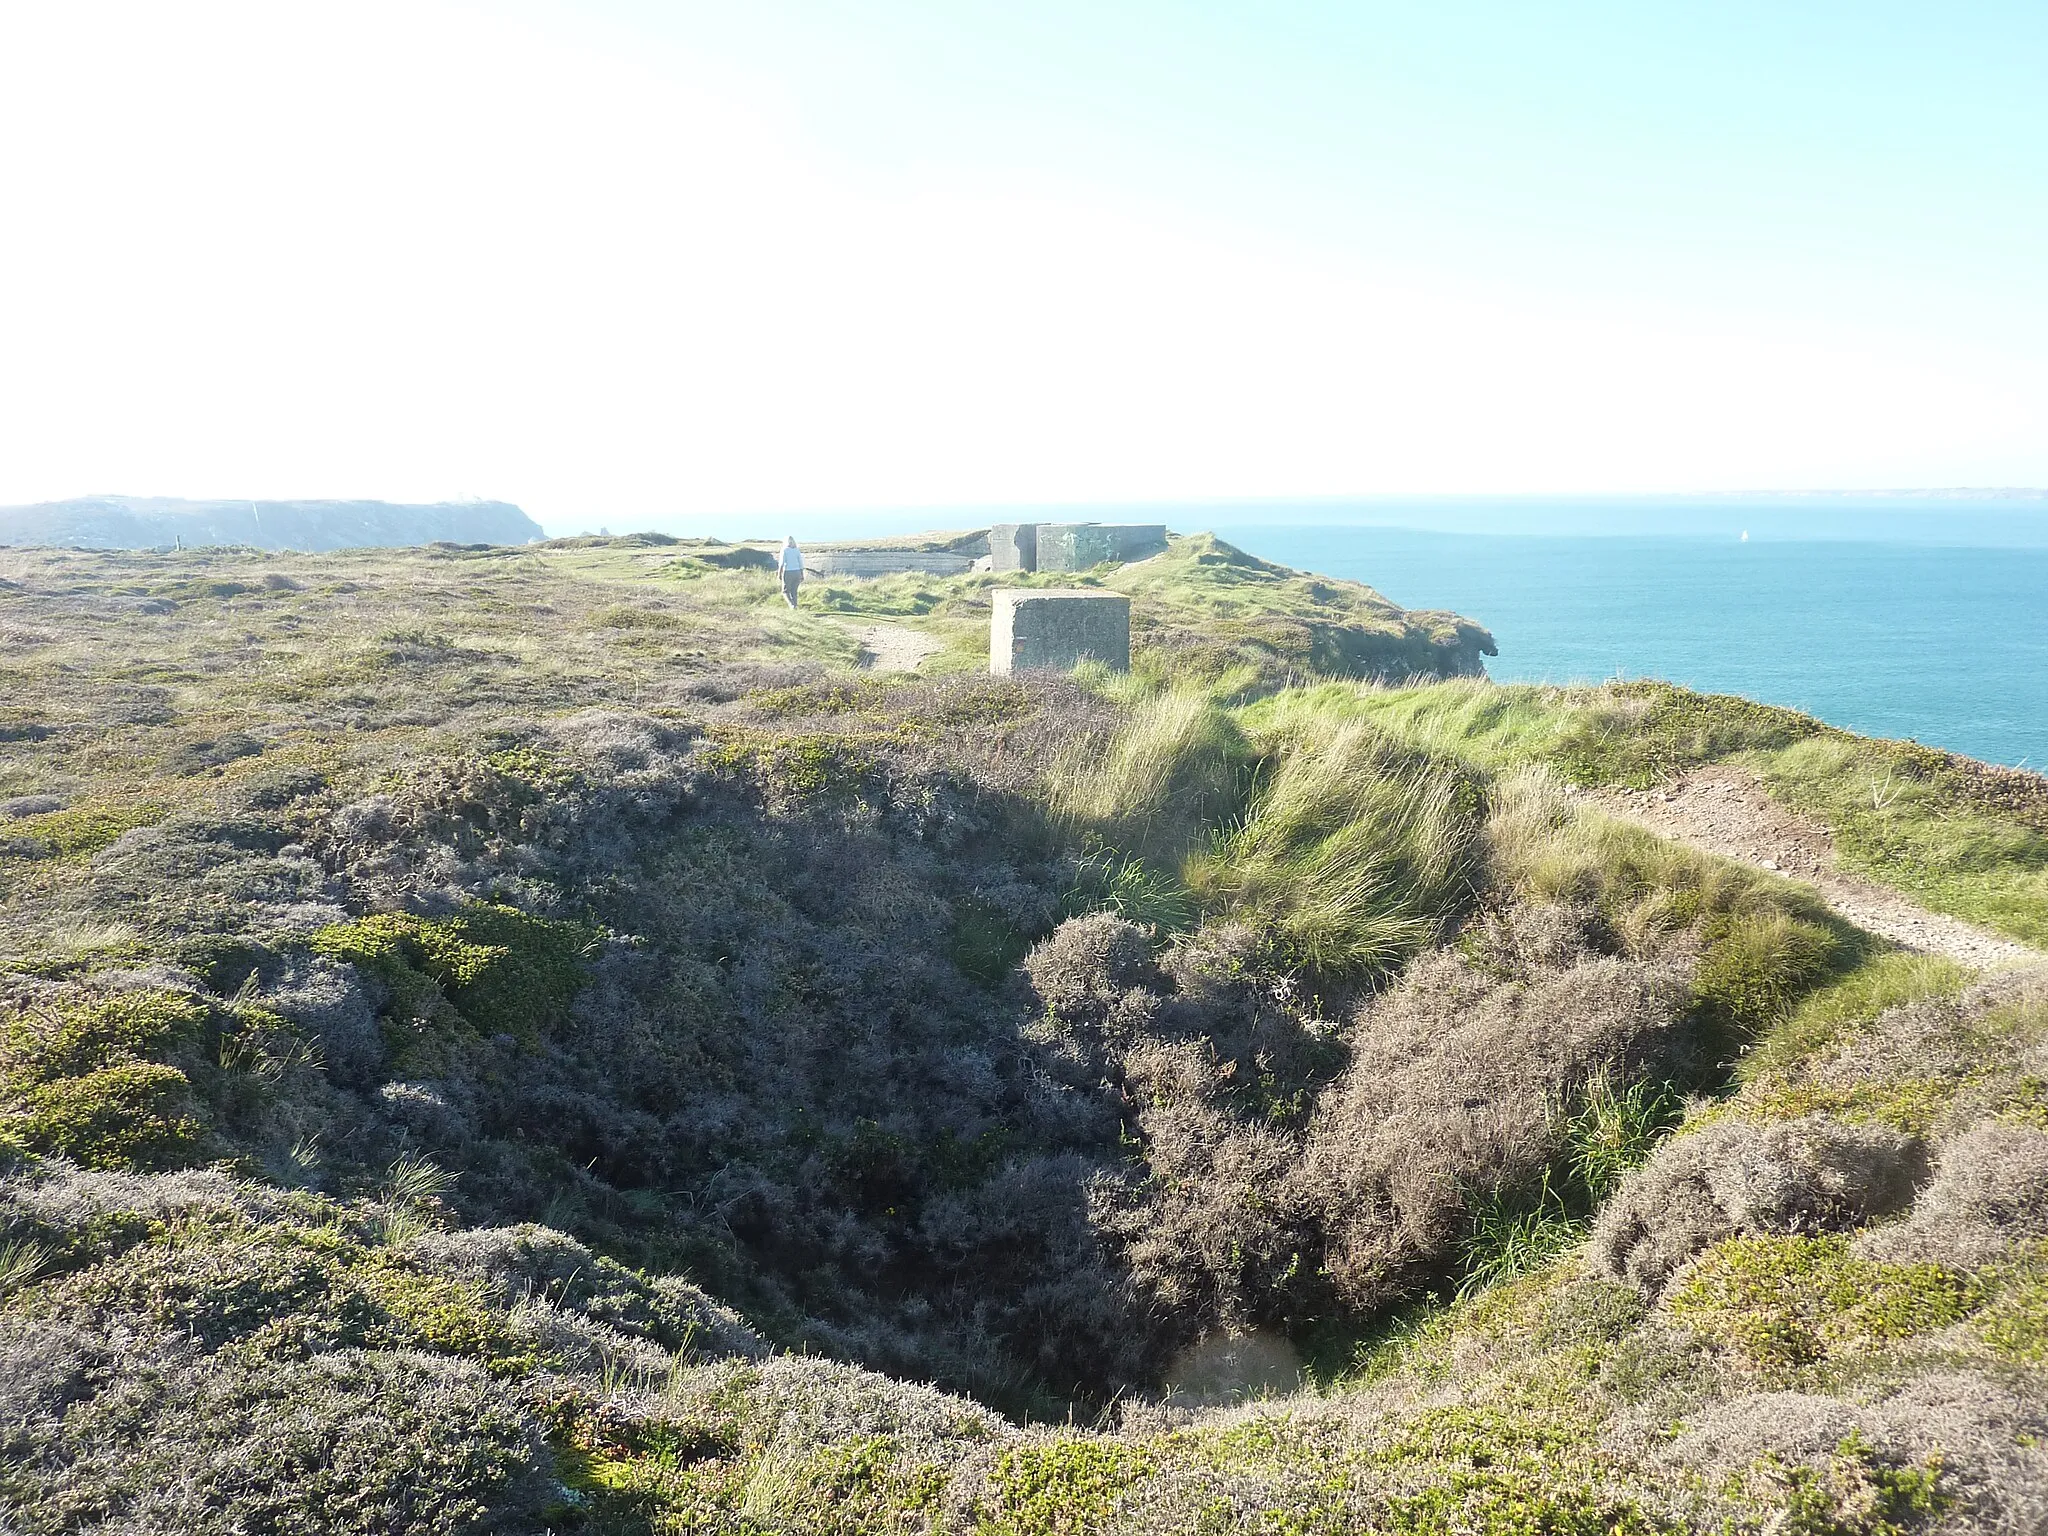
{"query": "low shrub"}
(1733, 1177)
(139, 1115)
(79, 1036)
(503, 970)
(1058, 1485)
(1881, 981)
(78, 831)
(1791, 1300)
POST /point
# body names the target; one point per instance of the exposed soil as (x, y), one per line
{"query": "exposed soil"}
(892, 648)
(1726, 811)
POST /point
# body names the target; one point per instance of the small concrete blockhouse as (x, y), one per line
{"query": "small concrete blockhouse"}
(1054, 628)
(1071, 546)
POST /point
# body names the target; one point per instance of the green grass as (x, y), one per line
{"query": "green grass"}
(1347, 825)
(1885, 979)
(1176, 766)
(1965, 839)
(1352, 854)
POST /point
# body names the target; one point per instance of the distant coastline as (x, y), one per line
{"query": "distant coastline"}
(164, 522)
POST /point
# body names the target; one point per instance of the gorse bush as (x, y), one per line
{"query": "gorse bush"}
(134, 1116)
(74, 1081)
(1790, 1300)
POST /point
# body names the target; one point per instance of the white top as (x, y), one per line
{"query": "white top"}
(789, 558)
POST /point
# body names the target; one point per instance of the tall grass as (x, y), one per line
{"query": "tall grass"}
(1352, 853)
(1176, 767)
(1614, 1129)
(1543, 848)
(1511, 1237)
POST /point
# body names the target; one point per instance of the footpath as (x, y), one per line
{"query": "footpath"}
(1726, 811)
(891, 647)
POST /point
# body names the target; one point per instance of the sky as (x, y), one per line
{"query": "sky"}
(664, 264)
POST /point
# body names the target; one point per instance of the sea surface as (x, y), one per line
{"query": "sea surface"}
(1934, 629)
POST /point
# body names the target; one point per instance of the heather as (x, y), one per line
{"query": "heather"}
(535, 1039)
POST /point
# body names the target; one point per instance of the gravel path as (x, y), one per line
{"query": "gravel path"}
(1726, 811)
(892, 648)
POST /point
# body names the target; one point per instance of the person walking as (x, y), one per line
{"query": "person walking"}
(790, 562)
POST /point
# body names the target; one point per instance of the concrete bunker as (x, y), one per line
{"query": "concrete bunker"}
(1054, 628)
(1071, 546)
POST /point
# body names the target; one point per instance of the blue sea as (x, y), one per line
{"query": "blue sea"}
(1927, 621)
(1921, 615)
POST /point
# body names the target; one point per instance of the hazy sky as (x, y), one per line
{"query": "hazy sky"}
(625, 262)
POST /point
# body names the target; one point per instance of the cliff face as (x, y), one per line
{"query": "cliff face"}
(158, 522)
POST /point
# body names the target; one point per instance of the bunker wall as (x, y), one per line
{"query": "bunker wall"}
(1056, 629)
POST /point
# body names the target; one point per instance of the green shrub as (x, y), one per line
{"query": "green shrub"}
(1517, 1503)
(1059, 1487)
(1791, 1300)
(2015, 1326)
(1855, 1494)
(505, 971)
(132, 1116)
(793, 769)
(79, 1037)
(1914, 1105)
(78, 831)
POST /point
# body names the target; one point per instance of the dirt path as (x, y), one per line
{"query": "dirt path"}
(892, 648)
(1725, 811)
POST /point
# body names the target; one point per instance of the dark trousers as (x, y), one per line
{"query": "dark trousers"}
(791, 580)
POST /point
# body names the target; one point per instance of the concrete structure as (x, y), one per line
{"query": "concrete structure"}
(1013, 547)
(1082, 546)
(1071, 546)
(885, 562)
(1053, 628)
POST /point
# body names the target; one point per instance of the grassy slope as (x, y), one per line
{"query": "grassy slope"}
(1963, 837)
(1545, 1400)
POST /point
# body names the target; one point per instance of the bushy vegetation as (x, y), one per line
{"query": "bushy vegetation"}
(433, 979)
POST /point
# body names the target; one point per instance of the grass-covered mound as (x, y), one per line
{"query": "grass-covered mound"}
(1202, 611)
(529, 1040)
